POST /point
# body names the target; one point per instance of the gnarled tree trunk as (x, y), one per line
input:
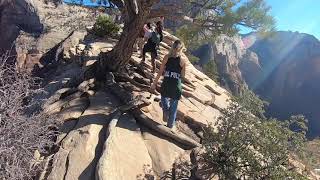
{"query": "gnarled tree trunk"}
(135, 14)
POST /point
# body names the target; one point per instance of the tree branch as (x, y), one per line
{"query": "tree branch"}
(171, 12)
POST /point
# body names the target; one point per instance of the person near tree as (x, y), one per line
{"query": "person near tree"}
(173, 68)
(144, 35)
(152, 45)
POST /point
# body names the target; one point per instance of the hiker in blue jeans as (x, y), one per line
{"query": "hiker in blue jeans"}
(173, 69)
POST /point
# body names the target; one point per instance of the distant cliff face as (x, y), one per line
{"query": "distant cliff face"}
(290, 75)
(284, 69)
(227, 52)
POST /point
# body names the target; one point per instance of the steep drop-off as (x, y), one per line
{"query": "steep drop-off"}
(289, 76)
(283, 69)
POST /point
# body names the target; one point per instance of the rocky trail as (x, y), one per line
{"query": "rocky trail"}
(113, 129)
(112, 123)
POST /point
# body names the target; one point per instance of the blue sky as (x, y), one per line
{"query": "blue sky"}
(86, 2)
(297, 15)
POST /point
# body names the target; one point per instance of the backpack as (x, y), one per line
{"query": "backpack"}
(155, 38)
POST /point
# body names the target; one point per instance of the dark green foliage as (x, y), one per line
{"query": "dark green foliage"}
(104, 26)
(193, 59)
(211, 70)
(215, 17)
(189, 36)
(310, 153)
(245, 146)
(252, 102)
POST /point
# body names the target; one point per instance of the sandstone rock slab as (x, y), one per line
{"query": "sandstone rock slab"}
(162, 152)
(75, 108)
(84, 143)
(125, 153)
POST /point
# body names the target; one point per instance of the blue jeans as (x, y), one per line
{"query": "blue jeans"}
(170, 107)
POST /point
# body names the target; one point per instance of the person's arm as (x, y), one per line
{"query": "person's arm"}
(162, 67)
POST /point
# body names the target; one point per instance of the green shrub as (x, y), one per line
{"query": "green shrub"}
(211, 70)
(193, 59)
(310, 153)
(252, 102)
(104, 26)
(242, 146)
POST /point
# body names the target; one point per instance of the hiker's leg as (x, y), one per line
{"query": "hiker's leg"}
(172, 112)
(144, 54)
(165, 108)
(141, 44)
(153, 61)
(136, 46)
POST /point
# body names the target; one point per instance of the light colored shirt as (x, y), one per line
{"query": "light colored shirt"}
(148, 34)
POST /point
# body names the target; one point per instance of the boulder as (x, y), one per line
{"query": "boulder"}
(57, 106)
(162, 151)
(68, 76)
(17, 15)
(59, 94)
(74, 108)
(125, 154)
(83, 145)
(66, 127)
(59, 165)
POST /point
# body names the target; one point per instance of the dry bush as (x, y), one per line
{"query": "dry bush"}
(22, 132)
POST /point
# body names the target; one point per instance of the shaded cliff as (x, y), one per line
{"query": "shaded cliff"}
(283, 69)
(289, 75)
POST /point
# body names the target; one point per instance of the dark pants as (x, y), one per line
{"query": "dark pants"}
(152, 48)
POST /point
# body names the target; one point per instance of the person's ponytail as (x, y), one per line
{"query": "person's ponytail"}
(176, 49)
